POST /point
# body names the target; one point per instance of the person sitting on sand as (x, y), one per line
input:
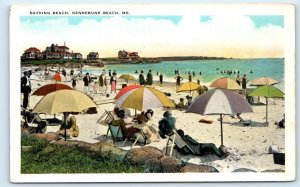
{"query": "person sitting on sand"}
(151, 134)
(189, 100)
(180, 105)
(166, 124)
(69, 123)
(281, 124)
(199, 148)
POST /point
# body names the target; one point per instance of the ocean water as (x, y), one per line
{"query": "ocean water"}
(210, 69)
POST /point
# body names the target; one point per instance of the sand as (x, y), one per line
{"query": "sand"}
(247, 144)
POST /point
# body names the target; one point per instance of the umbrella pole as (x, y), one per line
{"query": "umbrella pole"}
(65, 116)
(221, 129)
(266, 110)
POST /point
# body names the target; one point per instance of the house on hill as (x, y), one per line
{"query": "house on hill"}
(57, 52)
(128, 56)
(93, 56)
(51, 52)
(32, 53)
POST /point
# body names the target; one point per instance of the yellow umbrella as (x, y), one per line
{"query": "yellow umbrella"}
(225, 83)
(64, 101)
(144, 98)
(127, 77)
(188, 86)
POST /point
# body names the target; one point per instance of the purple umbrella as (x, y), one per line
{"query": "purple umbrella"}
(220, 102)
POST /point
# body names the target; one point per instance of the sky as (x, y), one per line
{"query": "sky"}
(154, 36)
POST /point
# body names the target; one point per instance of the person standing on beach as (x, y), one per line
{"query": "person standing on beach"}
(190, 78)
(244, 84)
(87, 80)
(71, 73)
(109, 73)
(161, 77)
(113, 83)
(178, 80)
(237, 79)
(149, 78)
(74, 82)
(101, 80)
(25, 89)
(142, 78)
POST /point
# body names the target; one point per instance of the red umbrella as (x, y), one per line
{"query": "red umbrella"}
(56, 77)
(126, 89)
(48, 88)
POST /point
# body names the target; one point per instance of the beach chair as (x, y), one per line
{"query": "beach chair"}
(139, 135)
(107, 116)
(36, 125)
(116, 133)
(175, 139)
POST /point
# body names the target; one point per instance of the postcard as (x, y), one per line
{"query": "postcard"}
(152, 92)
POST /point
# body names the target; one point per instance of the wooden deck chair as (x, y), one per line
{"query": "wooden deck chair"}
(36, 125)
(140, 135)
(175, 139)
(116, 133)
(107, 116)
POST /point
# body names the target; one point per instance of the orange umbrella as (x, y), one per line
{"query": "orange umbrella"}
(48, 88)
(56, 77)
(225, 83)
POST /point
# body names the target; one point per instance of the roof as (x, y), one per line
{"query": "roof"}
(33, 49)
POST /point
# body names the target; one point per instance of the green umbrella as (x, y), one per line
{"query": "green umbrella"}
(268, 92)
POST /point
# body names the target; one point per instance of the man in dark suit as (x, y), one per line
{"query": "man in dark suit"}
(25, 89)
(87, 80)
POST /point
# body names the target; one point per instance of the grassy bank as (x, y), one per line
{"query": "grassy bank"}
(47, 158)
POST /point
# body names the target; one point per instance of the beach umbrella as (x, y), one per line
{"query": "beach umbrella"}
(188, 86)
(127, 77)
(225, 83)
(143, 98)
(263, 81)
(126, 89)
(56, 77)
(48, 88)
(268, 92)
(64, 101)
(220, 102)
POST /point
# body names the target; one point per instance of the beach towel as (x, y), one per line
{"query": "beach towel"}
(206, 121)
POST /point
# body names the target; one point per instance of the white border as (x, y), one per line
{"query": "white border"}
(287, 10)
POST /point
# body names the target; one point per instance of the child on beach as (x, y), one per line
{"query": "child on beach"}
(95, 87)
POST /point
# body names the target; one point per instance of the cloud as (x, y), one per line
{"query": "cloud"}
(234, 36)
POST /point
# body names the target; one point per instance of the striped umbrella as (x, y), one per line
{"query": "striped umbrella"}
(143, 98)
(225, 83)
(126, 89)
(220, 102)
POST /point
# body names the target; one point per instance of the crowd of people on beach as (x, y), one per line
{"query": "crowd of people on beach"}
(132, 125)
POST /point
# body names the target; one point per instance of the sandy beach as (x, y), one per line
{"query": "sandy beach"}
(247, 144)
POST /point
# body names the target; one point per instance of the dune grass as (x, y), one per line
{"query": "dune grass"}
(45, 158)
